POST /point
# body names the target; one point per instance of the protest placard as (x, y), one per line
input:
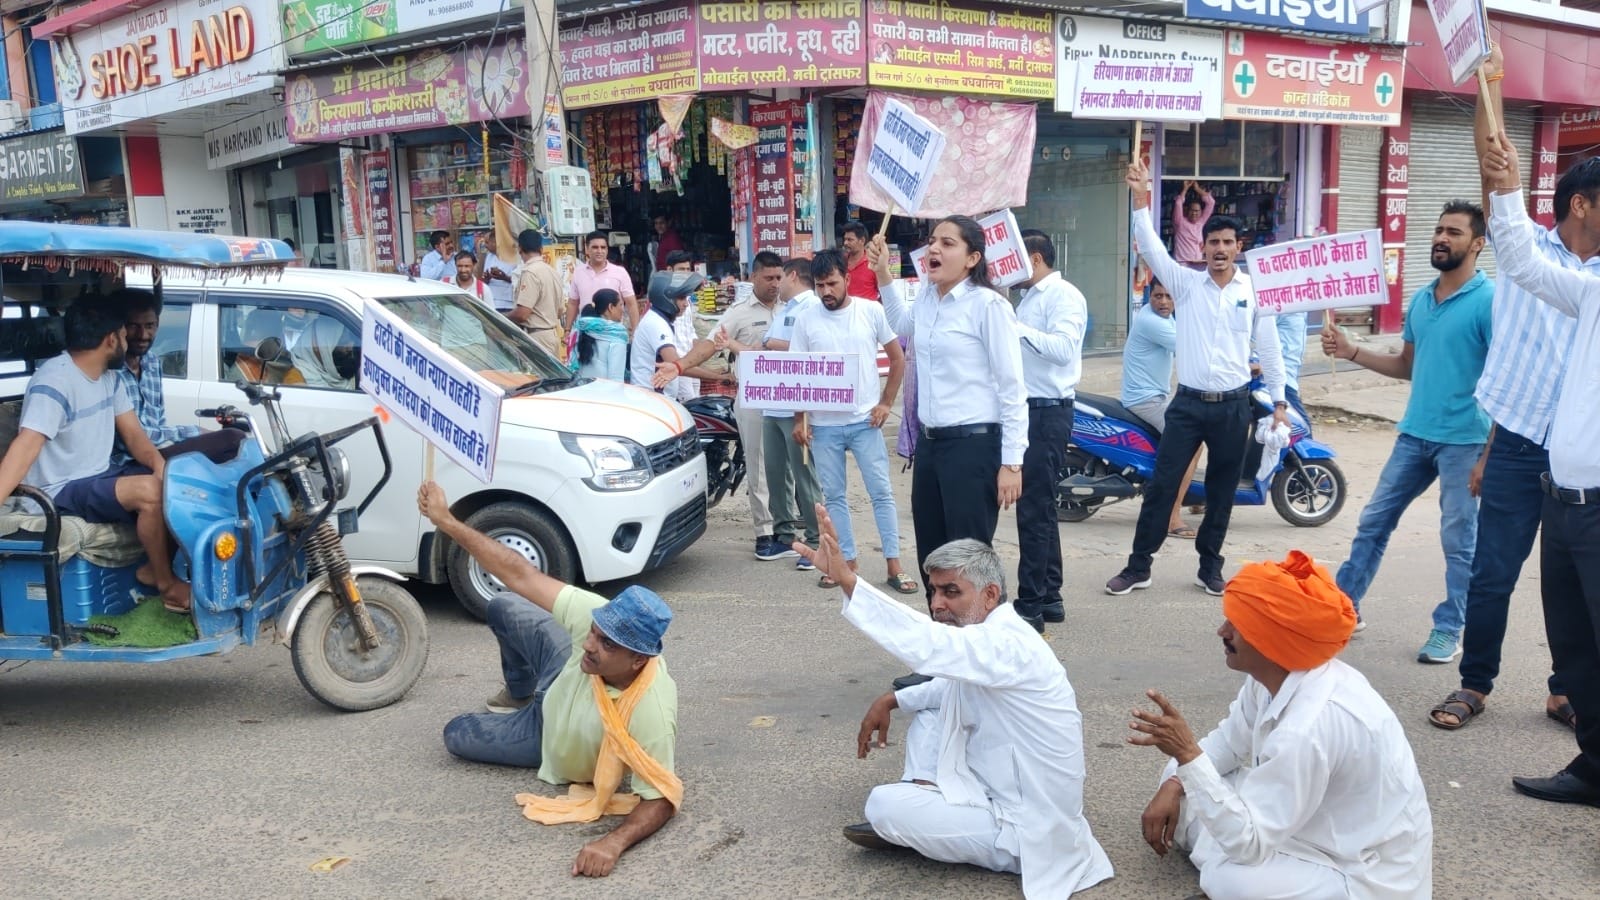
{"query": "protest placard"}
(800, 382)
(905, 152)
(1167, 91)
(1003, 250)
(450, 405)
(1335, 270)
(1463, 28)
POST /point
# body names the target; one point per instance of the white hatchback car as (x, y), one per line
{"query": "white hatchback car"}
(594, 480)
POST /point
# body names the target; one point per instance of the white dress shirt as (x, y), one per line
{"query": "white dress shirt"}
(1215, 323)
(1051, 320)
(1575, 432)
(1012, 733)
(434, 267)
(1325, 776)
(968, 358)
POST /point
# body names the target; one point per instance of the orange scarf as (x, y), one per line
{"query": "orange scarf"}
(618, 752)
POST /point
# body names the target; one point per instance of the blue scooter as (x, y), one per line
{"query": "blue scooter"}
(1112, 456)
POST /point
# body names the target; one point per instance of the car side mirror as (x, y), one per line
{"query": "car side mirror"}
(269, 349)
(275, 360)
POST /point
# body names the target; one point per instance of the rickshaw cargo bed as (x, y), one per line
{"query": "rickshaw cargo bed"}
(86, 590)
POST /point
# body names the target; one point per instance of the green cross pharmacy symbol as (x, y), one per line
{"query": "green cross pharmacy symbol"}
(1384, 89)
(1244, 78)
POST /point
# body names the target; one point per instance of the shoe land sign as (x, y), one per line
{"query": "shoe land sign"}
(1334, 270)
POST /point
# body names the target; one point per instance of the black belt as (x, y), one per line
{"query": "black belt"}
(1046, 402)
(1570, 496)
(1213, 396)
(959, 431)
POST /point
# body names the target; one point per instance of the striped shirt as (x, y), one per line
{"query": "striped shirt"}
(144, 393)
(1522, 374)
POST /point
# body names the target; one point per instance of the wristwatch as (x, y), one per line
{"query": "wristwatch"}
(1012, 468)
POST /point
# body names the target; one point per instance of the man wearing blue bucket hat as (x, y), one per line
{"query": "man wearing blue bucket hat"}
(587, 696)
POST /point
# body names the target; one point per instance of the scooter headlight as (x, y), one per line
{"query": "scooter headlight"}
(338, 474)
(618, 464)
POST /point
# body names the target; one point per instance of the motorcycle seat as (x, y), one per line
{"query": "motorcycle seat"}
(1114, 409)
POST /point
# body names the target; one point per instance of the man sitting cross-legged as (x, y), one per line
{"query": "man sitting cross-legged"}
(1308, 789)
(994, 752)
(71, 409)
(587, 696)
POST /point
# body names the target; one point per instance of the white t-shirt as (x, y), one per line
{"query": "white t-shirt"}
(860, 329)
(652, 333)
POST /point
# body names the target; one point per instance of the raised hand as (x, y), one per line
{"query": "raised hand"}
(1166, 731)
(828, 558)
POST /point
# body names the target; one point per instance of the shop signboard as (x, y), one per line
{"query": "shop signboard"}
(1327, 272)
(1463, 29)
(799, 382)
(409, 91)
(448, 403)
(961, 47)
(1138, 69)
(251, 138)
(1332, 16)
(165, 58)
(1276, 78)
(630, 55)
(759, 45)
(317, 25)
(38, 167)
(773, 185)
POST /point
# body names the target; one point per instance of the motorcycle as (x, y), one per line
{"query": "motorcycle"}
(719, 437)
(1112, 456)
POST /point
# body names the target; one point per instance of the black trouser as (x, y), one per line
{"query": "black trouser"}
(1038, 532)
(954, 492)
(1569, 584)
(219, 446)
(1222, 427)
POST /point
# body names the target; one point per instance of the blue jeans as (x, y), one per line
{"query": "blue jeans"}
(1508, 519)
(533, 650)
(828, 446)
(1412, 467)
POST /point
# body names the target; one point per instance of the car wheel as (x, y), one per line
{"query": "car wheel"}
(534, 534)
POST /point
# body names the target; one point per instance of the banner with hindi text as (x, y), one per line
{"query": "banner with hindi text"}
(758, 45)
(1327, 272)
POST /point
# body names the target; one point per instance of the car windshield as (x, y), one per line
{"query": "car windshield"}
(483, 340)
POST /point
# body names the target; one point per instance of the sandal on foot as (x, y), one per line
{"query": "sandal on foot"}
(1183, 532)
(903, 583)
(1563, 714)
(824, 581)
(1464, 705)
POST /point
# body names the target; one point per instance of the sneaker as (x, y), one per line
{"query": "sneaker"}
(1125, 582)
(769, 548)
(504, 703)
(1211, 584)
(1361, 624)
(1441, 648)
(911, 680)
(802, 564)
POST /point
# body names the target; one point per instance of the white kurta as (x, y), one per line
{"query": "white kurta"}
(1320, 774)
(1011, 737)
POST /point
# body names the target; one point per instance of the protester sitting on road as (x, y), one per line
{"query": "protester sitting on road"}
(587, 696)
(71, 409)
(143, 384)
(994, 753)
(601, 349)
(1308, 789)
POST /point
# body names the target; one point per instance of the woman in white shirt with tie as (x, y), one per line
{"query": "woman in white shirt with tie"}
(970, 395)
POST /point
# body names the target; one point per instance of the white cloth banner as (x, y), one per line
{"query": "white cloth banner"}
(1335, 270)
(799, 382)
(1174, 66)
(454, 408)
(1463, 27)
(905, 153)
(1003, 250)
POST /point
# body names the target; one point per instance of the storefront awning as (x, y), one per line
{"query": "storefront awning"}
(92, 13)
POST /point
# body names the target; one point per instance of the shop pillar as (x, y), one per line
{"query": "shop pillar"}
(1546, 151)
(1330, 178)
(1392, 194)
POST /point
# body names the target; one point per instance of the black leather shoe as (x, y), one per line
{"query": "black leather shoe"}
(1562, 787)
(862, 835)
(1036, 621)
(1053, 612)
(912, 680)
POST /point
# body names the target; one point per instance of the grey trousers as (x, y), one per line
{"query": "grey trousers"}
(790, 482)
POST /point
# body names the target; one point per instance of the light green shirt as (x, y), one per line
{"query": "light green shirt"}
(570, 744)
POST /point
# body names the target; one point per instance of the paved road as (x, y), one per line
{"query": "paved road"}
(221, 777)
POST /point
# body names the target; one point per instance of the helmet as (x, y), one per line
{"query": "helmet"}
(667, 288)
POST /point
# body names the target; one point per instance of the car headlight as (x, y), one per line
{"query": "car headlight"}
(618, 463)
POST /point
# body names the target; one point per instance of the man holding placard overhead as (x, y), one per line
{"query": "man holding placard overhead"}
(1217, 317)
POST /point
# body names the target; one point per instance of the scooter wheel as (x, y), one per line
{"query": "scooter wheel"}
(333, 666)
(1310, 499)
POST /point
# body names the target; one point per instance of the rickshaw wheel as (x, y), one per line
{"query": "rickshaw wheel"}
(330, 662)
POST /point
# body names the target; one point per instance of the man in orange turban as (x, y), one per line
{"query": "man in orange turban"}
(1308, 788)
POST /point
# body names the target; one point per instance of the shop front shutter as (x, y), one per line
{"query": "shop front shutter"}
(1360, 161)
(1444, 167)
